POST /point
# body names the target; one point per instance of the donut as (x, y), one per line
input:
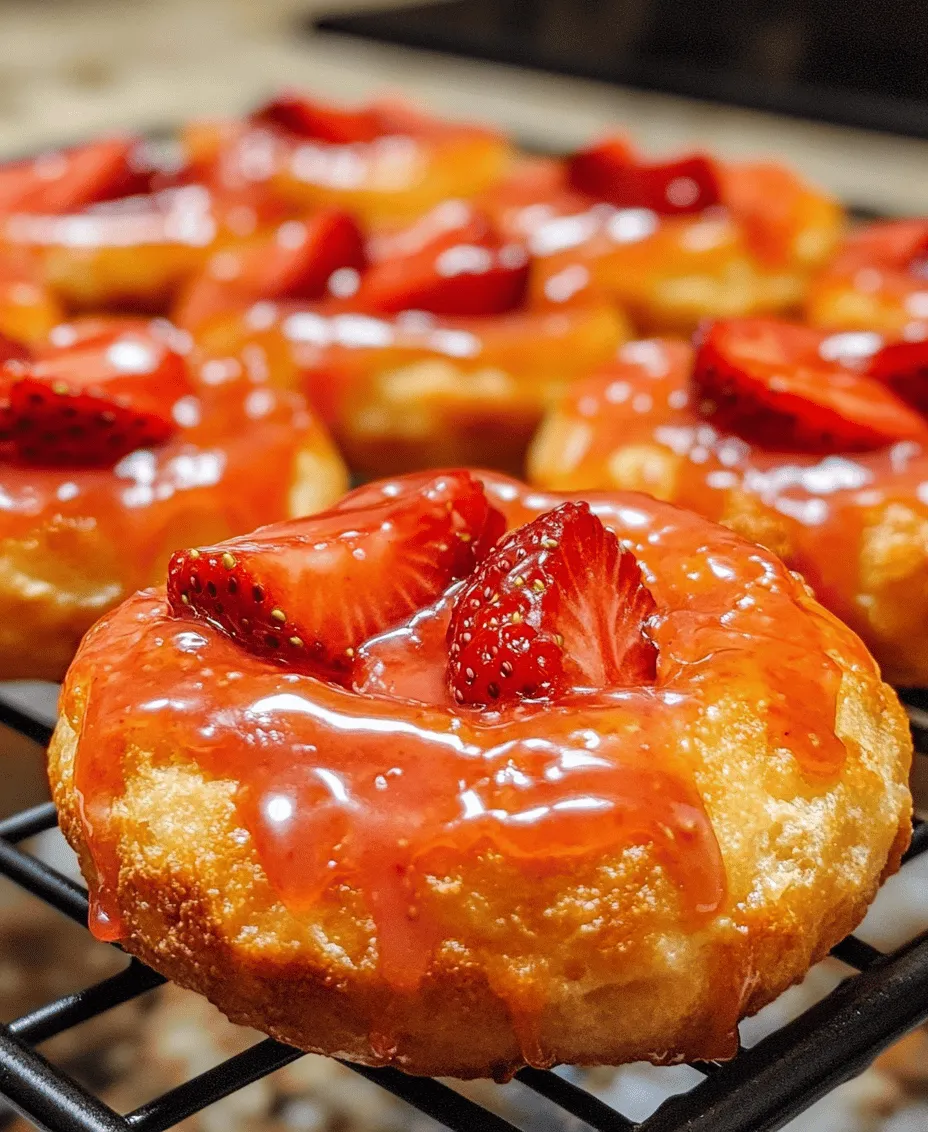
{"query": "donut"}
(671, 242)
(391, 784)
(386, 161)
(813, 444)
(875, 281)
(116, 446)
(427, 351)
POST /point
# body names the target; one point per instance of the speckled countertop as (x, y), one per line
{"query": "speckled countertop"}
(69, 68)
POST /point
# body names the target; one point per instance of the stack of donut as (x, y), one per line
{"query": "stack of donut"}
(455, 773)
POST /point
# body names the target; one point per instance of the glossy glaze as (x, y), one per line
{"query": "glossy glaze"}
(823, 505)
(419, 390)
(876, 281)
(751, 253)
(381, 786)
(127, 519)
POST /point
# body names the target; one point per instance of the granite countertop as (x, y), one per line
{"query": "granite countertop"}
(69, 68)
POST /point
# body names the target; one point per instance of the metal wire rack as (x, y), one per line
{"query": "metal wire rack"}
(759, 1091)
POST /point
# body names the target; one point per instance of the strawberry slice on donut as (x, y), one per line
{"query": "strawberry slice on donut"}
(70, 179)
(308, 592)
(903, 368)
(12, 350)
(611, 171)
(466, 270)
(309, 118)
(768, 381)
(557, 604)
(107, 390)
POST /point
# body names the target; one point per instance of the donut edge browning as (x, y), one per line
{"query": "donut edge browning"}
(59, 577)
(590, 966)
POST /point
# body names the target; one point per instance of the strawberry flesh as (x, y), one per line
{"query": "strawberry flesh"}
(308, 592)
(466, 270)
(558, 604)
(610, 171)
(903, 368)
(110, 390)
(308, 118)
(295, 262)
(11, 350)
(57, 183)
(767, 381)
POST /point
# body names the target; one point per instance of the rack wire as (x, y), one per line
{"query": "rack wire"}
(760, 1090)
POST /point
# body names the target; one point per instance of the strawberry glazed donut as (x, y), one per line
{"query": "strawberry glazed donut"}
(878, 280)
(117, 447)
(392, 787)
(430, 351)
(670, 242)
(386, 162)
(813, 444)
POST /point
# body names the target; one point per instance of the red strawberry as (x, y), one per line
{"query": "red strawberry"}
(311, 119)
(466, 270)
(73, 178)
(610, 171)
(109, 389)
(307, 593)
(295, 262)
(11, 350)
(557, 604)
(412, 482)
(903, 367)
(767, 381)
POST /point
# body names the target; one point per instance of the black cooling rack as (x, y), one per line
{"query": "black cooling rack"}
(759, 1091)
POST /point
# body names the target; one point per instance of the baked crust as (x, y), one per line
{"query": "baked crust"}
(61, 572)
(855, 525)
(596, 962)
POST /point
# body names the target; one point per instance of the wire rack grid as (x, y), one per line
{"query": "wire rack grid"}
(760, 1090)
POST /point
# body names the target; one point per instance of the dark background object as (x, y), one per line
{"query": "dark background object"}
(860, 63)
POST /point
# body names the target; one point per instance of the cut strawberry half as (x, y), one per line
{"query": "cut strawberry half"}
(903, 368)
(610, 171)
(11, 350)
(311, 119)
(105, 392)
(295, 262)
(68, 180)
(307, 593)
(558, 604)
(466, 270)
(767, 381)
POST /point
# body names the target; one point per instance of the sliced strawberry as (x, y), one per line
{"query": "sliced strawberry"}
(465, 270)
(11, 350)
(307, 593)
(296, 261)
(106, 390)
(767, 381)
(557, 604)
(309, 118)
(379, 490)
(68, 180)
(903, 368)
(610, 171)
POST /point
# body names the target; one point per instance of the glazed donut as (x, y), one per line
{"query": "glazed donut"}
(432, 354)
(387, 786)
(116, 446)
(812, 444)
(875, 281)
(385, 162)
(671, 242)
